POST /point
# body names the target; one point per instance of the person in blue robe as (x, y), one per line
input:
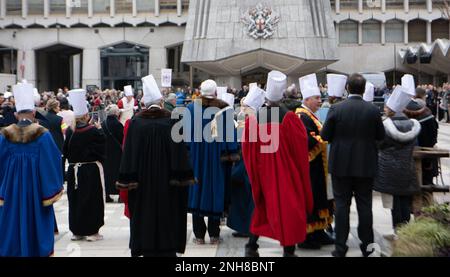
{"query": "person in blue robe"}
(31, 181)
(209, 155)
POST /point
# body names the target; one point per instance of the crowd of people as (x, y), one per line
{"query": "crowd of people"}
(286, 169)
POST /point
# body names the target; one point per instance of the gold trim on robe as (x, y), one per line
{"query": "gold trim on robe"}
(51, 201)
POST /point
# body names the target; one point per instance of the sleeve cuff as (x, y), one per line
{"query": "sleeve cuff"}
(50, 201)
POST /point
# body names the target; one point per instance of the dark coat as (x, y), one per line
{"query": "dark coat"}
(396, 172)
(54, 123)
(352, 128)
(114, 136)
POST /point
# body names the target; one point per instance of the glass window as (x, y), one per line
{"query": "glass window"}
(101, 6)
(185, 5)
(13, 7)
(348, 32)
(395, 31)
(8, 60)
(81, 7)
(439, 29)
(168, 4)
(124, 6)
(417, 31)
(145, 6)
(36, 7)
(57, 6)
(371, 31)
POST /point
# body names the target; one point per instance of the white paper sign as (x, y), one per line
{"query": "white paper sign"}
(166, 78)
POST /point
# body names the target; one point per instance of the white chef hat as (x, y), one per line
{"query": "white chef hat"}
(221, 91)
(369, 93)
(408, 84)
(399, 99)
(208, 89)
(336, 85)
(276, 85)
(255, 98)
(37, 97)
(152, 94)
(252, 85)
(309, 87)
(23, 95)
(128, 90)
(229, 98)
(77, 98)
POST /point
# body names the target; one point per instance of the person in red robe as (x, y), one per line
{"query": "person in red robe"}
(278, 170)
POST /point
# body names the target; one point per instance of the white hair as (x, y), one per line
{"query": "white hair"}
(112, 110)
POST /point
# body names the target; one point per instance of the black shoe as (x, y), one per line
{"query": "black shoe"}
(364, 251)
(310, 244)
(240, 235)
(289, 255)
(337, 254)
(251, 253)
(109, 199)
(323, 238)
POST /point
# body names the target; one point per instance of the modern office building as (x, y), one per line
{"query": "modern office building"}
(111, 43)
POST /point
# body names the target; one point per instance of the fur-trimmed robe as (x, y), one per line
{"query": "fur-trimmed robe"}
(157, 171)
(210, 156)
(30, 182)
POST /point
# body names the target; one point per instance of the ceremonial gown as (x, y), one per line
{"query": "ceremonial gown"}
(280, 178)
(162, 171)
(113, 130)
(84, 149)
(322, 215)
(30, 182)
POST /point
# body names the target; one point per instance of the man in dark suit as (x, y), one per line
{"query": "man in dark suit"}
(54, 122)
(352, 128)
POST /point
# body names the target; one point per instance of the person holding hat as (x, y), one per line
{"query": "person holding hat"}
(84, 148)
(156, 172)
(352, 128)
(322, 215)
(127, 105)
(31, 181)
(278, 171)
(396, 169)
(211, 138)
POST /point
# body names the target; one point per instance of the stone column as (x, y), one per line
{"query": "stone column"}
(90, 67)
(360, 6)
(406, 5)
(24, 8)
(68, 9)
(383, 33)
(429, 32)
(112, 9)
(405, 30)
(134, 8)
(360, 30)
(338, 6)
(90, 8)
(429, 6)
(156, 7)
(179, 7)
(46, 8)
(383, 6)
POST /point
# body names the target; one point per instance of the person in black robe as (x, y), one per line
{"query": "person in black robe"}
(156, 171)
(113, 130)
(84, 149)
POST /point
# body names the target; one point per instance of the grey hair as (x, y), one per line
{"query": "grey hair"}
(112, 110)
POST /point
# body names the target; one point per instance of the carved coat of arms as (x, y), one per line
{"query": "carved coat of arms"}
(261, 22)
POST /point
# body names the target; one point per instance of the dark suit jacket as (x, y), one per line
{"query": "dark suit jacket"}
(54, 126)
(352, 128)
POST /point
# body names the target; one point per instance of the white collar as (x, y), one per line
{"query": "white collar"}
(355, 95)
(155, 106)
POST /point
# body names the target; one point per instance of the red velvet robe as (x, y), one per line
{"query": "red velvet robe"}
(280, 180)
(123, 194)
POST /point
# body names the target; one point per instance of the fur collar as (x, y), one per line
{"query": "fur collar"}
(154, 113)
(212, 102)
(16, 134)
(393, 132)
